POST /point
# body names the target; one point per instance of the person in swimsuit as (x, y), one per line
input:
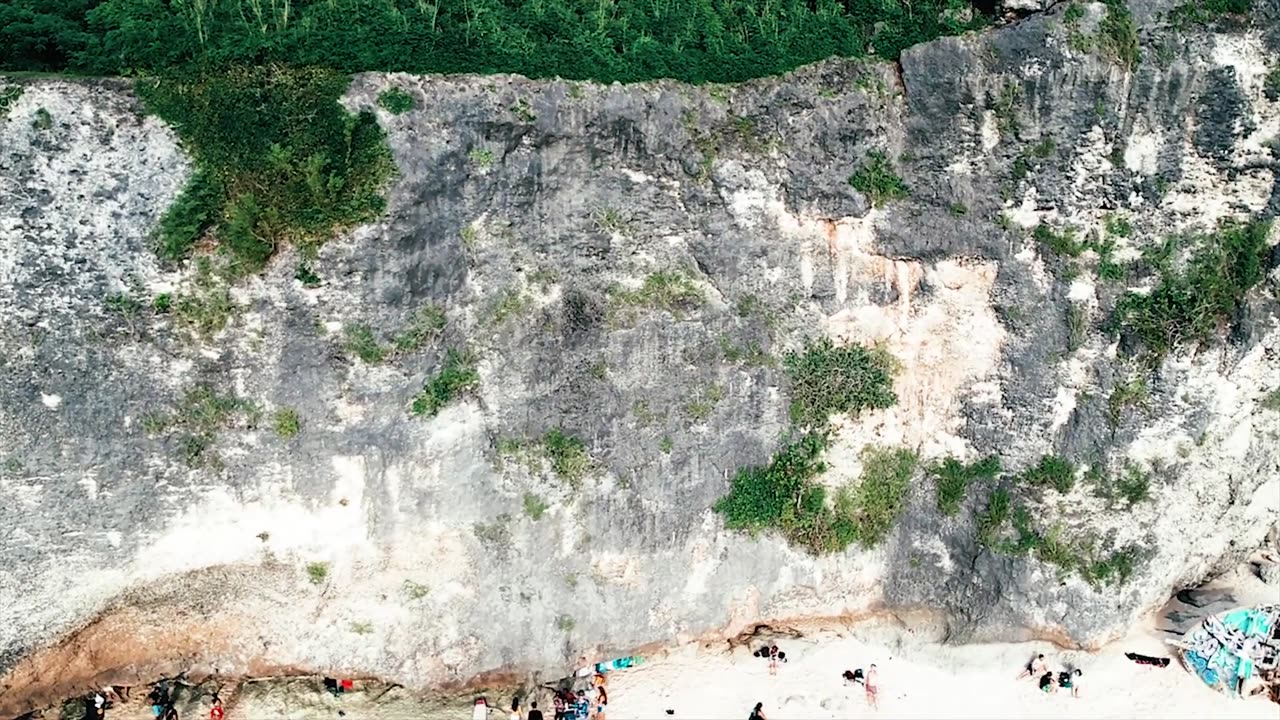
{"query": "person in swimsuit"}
(602, 700)
(1075, 683)
(773, 660)
(217, 712)
(872, 683)
(757, 712)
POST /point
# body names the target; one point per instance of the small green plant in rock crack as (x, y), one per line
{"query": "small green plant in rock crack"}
(534, 506)
(1077, 327)
(305, 275)
(750, 354)
(483, 159)
(456, 376)
(495, 536)
(1133, 486)
(205, 307)
(8, 97)
(286, 423)
(42, 121)
(958, 209)
(1271, 401)
(609, 220)
(424, 325)
(361, 628)
(665, 445)
(599, 369)
(877, 180)
(395, 100)
(414, 590)
(1271, 85)
(1063, 244)
(567, 454)
(1052, 471)
(952, 479)
(564, 623)
(1118, 35)
(1006, 109)
(1127, 393)
(198, 417)
(511, 303)
(523, 111)
(671, 291)
(360, 342)
(826, 380)
(317, 572)
(1200, 12)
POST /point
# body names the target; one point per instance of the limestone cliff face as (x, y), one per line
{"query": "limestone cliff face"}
(375, 542)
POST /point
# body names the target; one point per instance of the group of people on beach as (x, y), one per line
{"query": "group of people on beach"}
(587, 704)
(160, 698)
(1050, 682)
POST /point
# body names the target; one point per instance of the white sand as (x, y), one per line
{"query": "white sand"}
(918, 680)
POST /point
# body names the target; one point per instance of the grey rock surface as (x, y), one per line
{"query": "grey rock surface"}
(381, 543)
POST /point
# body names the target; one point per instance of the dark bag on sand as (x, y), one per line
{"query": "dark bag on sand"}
(1148, 660)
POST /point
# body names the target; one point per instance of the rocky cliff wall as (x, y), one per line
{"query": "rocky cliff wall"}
(160, 514)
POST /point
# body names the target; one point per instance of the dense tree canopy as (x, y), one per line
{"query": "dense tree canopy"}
(693, 40)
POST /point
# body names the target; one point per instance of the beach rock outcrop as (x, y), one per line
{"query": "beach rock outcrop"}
(246, 478)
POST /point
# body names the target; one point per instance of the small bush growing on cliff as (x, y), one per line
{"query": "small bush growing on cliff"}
(456, 376)
(993, 517)
(317, 572)
(279, 160)
(759, 497)
(873, 505)
(8, 97)
(1191, 306)
(534, 506)
(952, 479)
(1199, 12)
(286, 422)
(877, 180)
(395, 100)
(198, 418)
(1134, 485)
(784, 496)
(1271, 86)
(567, 454)
(1127, 393)
(671, 291)
(1052, 471)
(826, 380)
(1119, 35)
(359, 340)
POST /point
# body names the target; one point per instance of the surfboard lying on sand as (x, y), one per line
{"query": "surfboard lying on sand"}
(615, 664)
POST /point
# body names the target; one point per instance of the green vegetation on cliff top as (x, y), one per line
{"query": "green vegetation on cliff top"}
(691, 40)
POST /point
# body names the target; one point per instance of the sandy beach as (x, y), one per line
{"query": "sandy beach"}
(923, 679)
(926, 681)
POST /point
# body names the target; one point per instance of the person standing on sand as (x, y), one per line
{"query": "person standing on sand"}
(602, 701)
(872, 682)
(1075, 683)
(534, 712)
(757, 712)
(773, 660)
